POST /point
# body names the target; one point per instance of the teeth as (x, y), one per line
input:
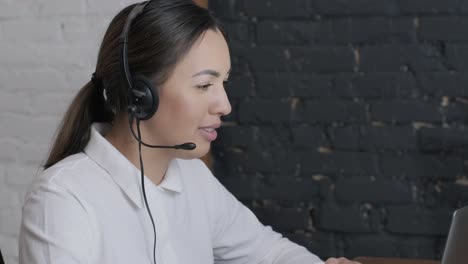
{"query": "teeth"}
(208, 129)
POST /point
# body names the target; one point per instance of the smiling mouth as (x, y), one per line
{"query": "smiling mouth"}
(209, 133)
(208, 129)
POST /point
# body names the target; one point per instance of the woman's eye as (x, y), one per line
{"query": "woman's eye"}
(205, 86)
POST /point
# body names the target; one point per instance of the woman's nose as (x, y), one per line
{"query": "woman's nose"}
(222, 105)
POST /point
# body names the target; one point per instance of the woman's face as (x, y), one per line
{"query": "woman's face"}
(193, 99)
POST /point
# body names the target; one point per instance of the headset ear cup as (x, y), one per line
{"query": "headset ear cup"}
(148, 103)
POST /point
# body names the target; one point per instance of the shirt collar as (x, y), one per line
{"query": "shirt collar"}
(123, 172)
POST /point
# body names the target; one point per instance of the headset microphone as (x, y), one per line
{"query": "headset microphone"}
(185, 146)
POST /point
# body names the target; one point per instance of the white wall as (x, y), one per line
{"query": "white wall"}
(48, 50)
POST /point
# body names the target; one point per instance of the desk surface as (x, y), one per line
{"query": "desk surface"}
(374, 260)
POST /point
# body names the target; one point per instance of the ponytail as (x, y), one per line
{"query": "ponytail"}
(87, 107)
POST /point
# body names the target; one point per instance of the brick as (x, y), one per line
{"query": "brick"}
(278, 8)
(417, 220)
(284, 219)
(62, 7)
(9, 245)
(239, 87)
(308, 137)
(274, 137)
(78, 30)
(455, 112)
(372, 246)
(378, 191)
(372, 138)
(419, 247)
(241, 188)
(253, 160)
(9, 102)
(336, 31)
(444, 28)
(8, 198)
(358, 7)
(16, 9)
(32, 30)
(293, 84)
(375, 85)
(28, 80)
(320, 243)
(289, 189)
(335, 111)
(353, 163)
(20, 126)
(227, 9)
(298, 59)
(405, 111)
(391, 247)
(21, 174)
(49, 104)
(394, 58)
(108, 7)
(265, 111)
(442, 139)
(388, 138)
(236, 136)
(239, 32)
(431, 7)
(417, 166)
(27, 55)
(294, 32)
(453, 194)
(444, 83)
(9, 153)
(11, 219)
(373, 30)
(358, 220)
(345, 138)
(457, 55)
(33, 153)
(75, 79)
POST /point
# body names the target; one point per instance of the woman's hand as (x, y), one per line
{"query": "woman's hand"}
(340, 261)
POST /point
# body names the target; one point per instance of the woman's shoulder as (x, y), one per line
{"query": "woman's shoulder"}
(65, 175)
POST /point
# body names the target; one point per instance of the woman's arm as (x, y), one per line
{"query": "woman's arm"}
(55, 228)
(241, 238)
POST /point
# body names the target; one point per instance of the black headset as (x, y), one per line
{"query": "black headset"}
(142, 97)
(142, 103)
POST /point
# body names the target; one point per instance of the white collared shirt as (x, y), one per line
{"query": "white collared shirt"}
(88, 208)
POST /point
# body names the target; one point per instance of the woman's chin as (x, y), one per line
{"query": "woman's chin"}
(200, 151)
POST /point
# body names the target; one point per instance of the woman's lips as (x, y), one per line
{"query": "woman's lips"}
(208, 133)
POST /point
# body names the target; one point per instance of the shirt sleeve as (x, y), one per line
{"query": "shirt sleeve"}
(239, 237)
(55, 228)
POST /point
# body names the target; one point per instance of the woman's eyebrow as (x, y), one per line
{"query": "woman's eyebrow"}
(209, 72)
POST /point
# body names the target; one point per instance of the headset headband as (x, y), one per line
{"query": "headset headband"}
(125, 68)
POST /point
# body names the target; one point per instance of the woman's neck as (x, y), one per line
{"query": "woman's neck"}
(155, 161)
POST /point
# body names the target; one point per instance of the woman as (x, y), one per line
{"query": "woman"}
(102, 198)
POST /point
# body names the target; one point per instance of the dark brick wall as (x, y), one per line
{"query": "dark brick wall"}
(348, 132)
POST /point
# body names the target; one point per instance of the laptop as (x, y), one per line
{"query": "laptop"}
(456, 248)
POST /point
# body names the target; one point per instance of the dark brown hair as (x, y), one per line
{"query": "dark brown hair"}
(158, 39)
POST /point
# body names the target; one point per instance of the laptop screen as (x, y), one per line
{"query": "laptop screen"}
(456, 248)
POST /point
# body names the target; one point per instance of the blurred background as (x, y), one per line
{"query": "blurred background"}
(348, 131)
